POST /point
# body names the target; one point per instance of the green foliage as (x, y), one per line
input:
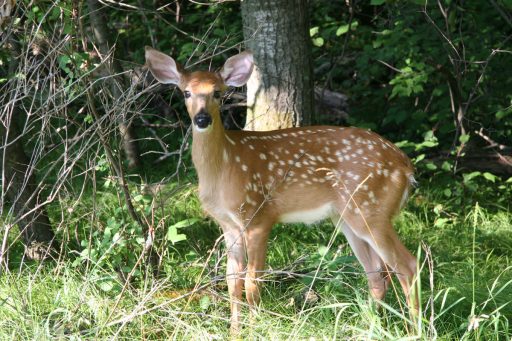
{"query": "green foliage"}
(400, 59)
(469, 244)
(172, 233)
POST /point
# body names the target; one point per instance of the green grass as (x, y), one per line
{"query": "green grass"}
(466, 278)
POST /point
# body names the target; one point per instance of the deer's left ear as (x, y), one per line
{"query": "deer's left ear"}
(237, 69)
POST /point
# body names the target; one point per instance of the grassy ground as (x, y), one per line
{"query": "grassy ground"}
(465, 247)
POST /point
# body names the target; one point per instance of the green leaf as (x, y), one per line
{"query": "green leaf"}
(419, 158)
(377, 2)
(205, 302)
(186, 222)
(88, 118)
(470, 176)
(344, 28)
(106, 286)
(313, 31)
(446, 166)
(318, 42)
(440, 222)
(489, 176)
(429, 144)
(63, 61)
(503, 113)
(438, 209)
(173, 236)
(172, 233)
(322, 250)
(464, 138)
(431, 166)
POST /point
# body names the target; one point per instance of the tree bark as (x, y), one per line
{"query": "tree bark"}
(19, 184)
(280, 89)
(103, 35)
(20, 188)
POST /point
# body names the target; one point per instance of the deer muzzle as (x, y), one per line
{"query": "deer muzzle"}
(203, 119)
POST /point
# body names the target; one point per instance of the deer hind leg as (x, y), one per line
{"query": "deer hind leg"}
(383, 240)
(374, 266)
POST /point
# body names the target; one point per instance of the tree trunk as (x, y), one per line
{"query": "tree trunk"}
(103, 38)
(19, 184)
(20, 188)
(280, 90)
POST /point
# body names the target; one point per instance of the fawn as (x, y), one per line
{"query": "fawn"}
(250, 180)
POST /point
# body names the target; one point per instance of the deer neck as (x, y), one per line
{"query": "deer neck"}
(208, 150)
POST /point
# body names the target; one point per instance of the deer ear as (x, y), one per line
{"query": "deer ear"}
(163, 67)
(237, 69)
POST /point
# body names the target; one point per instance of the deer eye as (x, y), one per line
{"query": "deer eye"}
(217, 94)
(187, 94)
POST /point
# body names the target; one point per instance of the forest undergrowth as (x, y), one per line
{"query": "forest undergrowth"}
(309, 290)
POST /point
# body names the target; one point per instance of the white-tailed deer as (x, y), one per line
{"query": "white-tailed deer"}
(249, 180)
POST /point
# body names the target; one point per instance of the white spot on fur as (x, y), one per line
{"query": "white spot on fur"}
(230, 140)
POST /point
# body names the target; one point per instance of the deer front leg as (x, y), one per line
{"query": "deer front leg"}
(235, 273)
(256, 245)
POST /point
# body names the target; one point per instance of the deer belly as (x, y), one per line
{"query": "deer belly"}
(308, 216)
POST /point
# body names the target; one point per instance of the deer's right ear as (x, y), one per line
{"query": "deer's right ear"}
(163, 67)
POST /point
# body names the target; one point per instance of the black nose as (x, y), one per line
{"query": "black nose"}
(202, 119)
